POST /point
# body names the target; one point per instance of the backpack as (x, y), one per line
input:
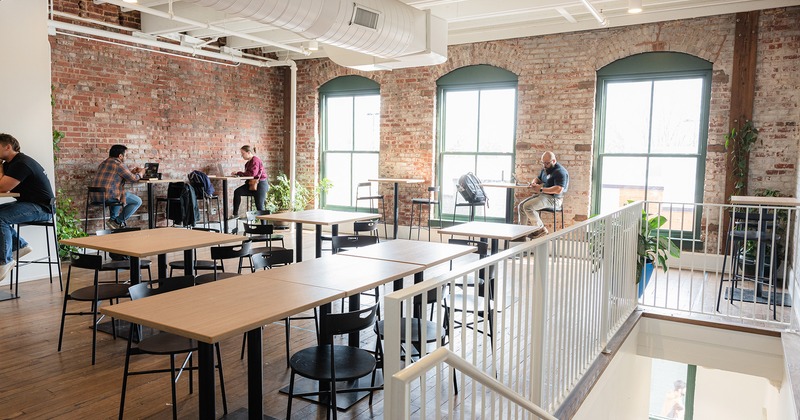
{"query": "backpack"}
(470, 188)
(201, 184)
(183, 204)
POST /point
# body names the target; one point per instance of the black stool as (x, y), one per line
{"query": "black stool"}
(94, 203)
(372, 197)
(419, 202)
(471, 208)
(50, 228)
(555, 210)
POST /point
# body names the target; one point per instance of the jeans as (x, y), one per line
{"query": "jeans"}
(132, 203)
(11, 214)
(530, 207)
(260, 194)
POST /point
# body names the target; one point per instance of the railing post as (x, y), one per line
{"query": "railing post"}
(391, 359)
(541, 262)
(608, 275)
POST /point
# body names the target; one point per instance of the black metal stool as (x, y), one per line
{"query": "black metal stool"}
(94, 203)
(430, 201)
(50, 232)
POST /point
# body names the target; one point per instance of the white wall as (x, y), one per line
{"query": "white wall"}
(25, 110)
(729, 395)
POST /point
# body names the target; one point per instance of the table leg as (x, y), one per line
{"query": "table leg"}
(188, 262)
(225, 205)
(509, 205)
(318, 241)
(495, 245)
(396, 209)
(355, 304)
(298, 241)
(162, 266)
(151, 213)
(205, 364)
(136, 271)
(255, 374)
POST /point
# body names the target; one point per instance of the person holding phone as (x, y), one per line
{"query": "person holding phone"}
(549, 189)
(256, 187)
(111, 175)
(20, 174)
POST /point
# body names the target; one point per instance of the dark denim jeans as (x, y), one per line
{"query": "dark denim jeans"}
(11, 214)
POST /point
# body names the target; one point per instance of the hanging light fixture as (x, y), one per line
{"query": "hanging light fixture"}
(597, 14)
(634, 6)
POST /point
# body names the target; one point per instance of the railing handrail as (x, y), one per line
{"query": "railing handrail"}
(444, 355)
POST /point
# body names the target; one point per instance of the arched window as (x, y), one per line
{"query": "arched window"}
(477, 116)
(651, 132)
(350, 111)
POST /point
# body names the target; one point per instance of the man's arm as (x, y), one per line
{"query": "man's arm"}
(7, 183)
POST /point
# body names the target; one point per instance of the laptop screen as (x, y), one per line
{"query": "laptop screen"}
(150, 170)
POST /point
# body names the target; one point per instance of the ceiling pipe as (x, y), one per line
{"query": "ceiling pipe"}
(597, 14)
(191, 51)
(170, 16)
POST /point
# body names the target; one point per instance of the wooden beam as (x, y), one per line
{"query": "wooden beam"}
(743, 77)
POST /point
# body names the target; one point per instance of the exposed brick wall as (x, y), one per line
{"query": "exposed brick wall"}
(183, 113)
(557, 77)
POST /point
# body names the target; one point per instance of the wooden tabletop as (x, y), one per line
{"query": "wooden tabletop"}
(502, 231)
(425, 254)
(348, 274)
(9, 194)
(145, 243)
(398, 180)
(318, 217)
(158, 181)
(503, 184)
(229, 177)
(214, 311)
(765, 201)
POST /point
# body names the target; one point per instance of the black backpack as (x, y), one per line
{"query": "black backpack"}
(201, 184)
(183, 206)
(470, 188)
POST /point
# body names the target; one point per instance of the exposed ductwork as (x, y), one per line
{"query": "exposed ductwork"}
(374, 34)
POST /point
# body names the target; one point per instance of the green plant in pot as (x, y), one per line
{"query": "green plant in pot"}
(68, 224)
(279, 196)
(651, 248)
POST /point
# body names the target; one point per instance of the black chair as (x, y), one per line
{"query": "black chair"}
(203, 196)
(91, 194)
(371, 198)
(482, 251)
(471, 207)
(123, 264)
(166, 344)
(95, 294)
(199, 265)
(555, 210)
(52, 247)
(465, 300)
(431, 201)
(329, 363)
(251, 217)
(341, 243)
(257, 232)
(221, 253)
(366, 226)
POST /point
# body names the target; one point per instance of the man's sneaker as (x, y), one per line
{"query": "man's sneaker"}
(539, 233)
(25, 251)
(113, 224)
(5, 269)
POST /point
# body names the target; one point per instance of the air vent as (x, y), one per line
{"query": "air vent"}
(364, 17)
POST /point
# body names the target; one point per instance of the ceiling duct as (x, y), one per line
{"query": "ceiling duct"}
(386, 31)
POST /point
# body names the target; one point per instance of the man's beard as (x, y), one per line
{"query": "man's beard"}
(550, 170)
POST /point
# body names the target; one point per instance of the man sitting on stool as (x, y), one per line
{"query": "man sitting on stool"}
(549, 189)
(21, 174)
(111, 175)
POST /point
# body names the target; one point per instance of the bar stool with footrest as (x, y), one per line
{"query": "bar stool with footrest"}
(430, 201)
(555, 210)
(95, 294)
(52, 248)
(91, 194)
(166, 344)
(369, 196)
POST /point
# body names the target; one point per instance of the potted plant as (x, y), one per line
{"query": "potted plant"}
(279, 196)
(652, 248)
(68, 224)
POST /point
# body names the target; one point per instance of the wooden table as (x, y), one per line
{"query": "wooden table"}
(145, 243)
(745, 200)
(317, 217)
(397, 181)
(225, 179)
(212, 312)
(151, 198)
(493, 231)
(510, 187)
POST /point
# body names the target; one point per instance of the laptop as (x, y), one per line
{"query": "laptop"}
(150, 170)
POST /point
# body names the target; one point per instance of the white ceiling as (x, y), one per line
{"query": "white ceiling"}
(468, 20)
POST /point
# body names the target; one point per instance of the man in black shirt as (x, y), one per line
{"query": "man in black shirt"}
(549, 189)
(20, 174)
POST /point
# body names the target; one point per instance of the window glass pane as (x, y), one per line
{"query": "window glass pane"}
(492, 168)
(497, 120)
(627, 116)
(461, 121)
(337, 169)
(622, 179)
(672, 180)
(676, 116)
(367, 118)
(365, 167)
(453, 166)
(339, 121)
(668, 389)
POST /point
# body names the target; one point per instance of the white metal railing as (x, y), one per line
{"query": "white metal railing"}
(552, 304)
(402, 381)
(752, 245)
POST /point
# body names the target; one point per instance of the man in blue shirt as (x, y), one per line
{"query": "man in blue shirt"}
(21, 174)
(549, 189)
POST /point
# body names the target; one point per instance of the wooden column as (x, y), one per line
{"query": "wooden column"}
(743, 77)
